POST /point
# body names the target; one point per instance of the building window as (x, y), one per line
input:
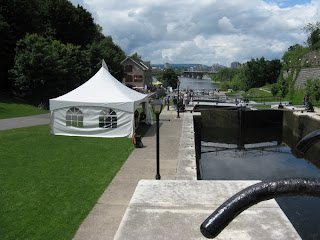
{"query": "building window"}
(74, 117)
(128, 68)
(108, 118)
(129, 78)
(138, 78)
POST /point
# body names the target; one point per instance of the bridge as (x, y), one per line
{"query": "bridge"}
(197, 74)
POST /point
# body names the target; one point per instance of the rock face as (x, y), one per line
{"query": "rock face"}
(305, 74)
(308, 68)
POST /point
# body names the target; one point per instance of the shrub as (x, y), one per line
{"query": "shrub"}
(274, 89)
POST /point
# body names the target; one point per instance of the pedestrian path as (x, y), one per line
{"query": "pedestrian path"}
(136, 206)
(28, 121)
(104, 219)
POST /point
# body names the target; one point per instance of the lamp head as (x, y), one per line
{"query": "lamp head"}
(156, 106)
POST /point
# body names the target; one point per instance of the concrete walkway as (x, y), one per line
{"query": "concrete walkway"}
(28, 121)
(104, 219)
(135, 206)
(175, 209)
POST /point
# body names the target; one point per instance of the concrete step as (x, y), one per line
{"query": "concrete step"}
(175, 209)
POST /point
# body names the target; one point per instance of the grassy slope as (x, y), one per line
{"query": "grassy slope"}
(50, 183)
(296, 98)
(15, 107)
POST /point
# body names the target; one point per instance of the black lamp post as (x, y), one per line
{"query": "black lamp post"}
(157, 107)
(178, 84)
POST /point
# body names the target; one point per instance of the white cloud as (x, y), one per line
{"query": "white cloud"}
(204, 31)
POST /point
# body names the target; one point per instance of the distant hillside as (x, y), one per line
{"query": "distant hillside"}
(178, 65)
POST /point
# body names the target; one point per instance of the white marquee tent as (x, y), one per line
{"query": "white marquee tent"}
(101, 107)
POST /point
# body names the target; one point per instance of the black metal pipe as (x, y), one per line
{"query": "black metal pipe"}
(305, 143)
(254, 194)
(158, 177)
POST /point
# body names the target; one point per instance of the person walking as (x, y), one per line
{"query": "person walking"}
(175, 103)
(168, 102)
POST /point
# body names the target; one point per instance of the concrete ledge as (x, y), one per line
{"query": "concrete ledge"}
(175, 209)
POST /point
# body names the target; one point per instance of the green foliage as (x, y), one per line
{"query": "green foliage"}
(135, 55)
(274, 89)
(293, 56)
(53, 19)
(230, 78)
(157, 75)
(14, 107)
(169, 78)
(224, 86)
(6, 52)
(316, 46)
(312, 87)
(110, 52)
(44, 69)
(70, 24)
(224, 75)
(283, 86)
(49, 184)
(260, 72)
(313, 30)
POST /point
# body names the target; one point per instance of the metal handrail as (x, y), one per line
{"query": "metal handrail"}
(254, 194)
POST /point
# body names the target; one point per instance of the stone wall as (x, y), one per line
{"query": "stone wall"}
(305, 74)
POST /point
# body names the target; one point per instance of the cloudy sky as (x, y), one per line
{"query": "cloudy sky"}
(204, 31)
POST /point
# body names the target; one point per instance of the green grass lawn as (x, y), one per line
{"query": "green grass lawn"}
(296, 98)
(233, 94)
(14, 107)
(50, 183)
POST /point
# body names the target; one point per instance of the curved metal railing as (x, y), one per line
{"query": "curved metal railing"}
(254, 194)
(305, 143)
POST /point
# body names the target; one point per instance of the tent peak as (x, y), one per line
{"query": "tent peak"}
(104, 65)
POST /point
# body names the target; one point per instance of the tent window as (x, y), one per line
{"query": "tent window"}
(74, 117)
(108, 118)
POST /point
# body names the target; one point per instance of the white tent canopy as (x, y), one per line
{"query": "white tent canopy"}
(101, 107)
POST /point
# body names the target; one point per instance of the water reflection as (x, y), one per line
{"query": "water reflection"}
(235, 146)
(190, 83)
(268, 163)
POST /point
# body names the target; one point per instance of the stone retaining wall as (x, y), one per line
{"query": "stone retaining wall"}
(305, 74)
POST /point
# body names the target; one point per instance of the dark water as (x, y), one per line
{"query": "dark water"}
(190, 83)
(255, 153)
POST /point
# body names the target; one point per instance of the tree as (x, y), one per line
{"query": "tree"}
(293, 56)
(224, 74)
(274, 89)
(313, 29)
(135, 55)
(110, 52)
(6, 53)
(16, 18)
(70, 24)
(169, 78)
(283, 86)
(47, 68)
(259, 72)
(273, 69)
(56, 19)
(312, 87)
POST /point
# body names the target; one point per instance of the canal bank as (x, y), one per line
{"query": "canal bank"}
(261, 145)
(174, 207)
